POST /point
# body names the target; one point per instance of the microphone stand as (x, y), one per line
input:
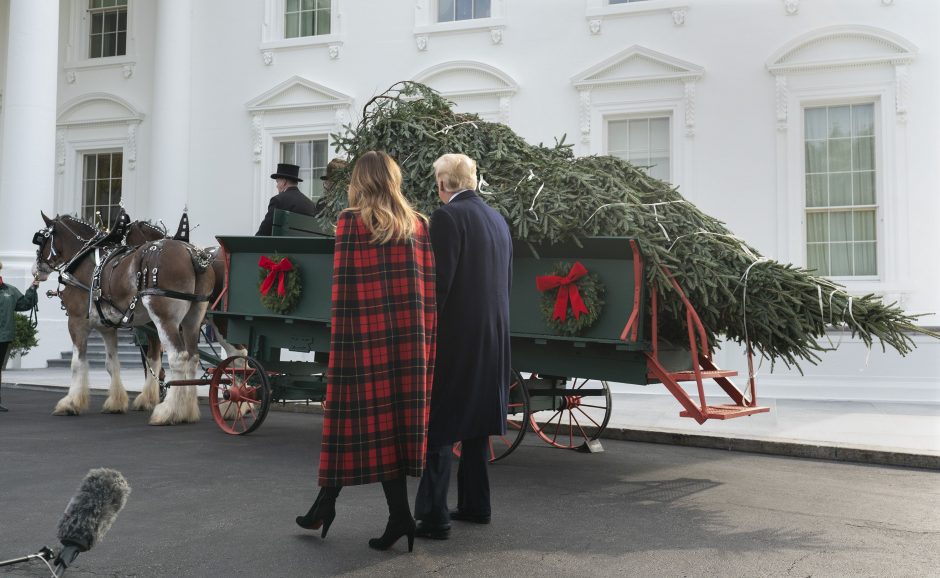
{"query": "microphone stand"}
(44, 553)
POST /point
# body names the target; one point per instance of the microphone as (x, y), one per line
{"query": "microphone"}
(90, 513)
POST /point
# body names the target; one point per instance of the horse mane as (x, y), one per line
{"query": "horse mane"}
(81, 222)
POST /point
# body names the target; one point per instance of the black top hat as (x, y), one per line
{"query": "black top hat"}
(289, 172)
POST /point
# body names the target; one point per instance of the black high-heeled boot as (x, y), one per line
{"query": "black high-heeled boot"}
(322, 512)
(400, 522)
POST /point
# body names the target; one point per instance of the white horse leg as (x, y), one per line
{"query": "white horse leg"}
(180, 404)
(77, 399)
(150, 396)
(117, 395)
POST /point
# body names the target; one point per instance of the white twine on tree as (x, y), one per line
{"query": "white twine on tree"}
(744, 278)
(480, 184)
(663, 229)
(448, 128)
(604, 206)
(532, 206)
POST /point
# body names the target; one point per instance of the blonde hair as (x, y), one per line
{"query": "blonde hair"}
(375, 193)
(459, 172)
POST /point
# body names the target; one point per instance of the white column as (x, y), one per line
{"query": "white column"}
(169, 169)
(27, 166)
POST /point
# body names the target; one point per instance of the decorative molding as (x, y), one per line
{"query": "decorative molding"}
(128, 69)
(470, 80)
(901, 90)
(267, 57)
(678, 16)
(792, 7)
(496, 34)
(71, 76)
(97, 108)
(256, 131)
(60, 150)
(689, 94)
(782, 95)
(421, 41)
(584, 114)
(598, 10)
(837, 47)
(272, 29)
(504, 104)
(342, 116)
(298, 93)
(334, 51)
(633, 66)
(130, 151)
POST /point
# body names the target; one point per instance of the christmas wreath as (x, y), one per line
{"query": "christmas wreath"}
(279, 284)
(570, 286)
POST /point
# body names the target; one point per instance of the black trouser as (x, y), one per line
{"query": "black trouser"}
(4, 346)
(473, 485)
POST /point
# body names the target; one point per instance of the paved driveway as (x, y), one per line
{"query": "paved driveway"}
(207, 504)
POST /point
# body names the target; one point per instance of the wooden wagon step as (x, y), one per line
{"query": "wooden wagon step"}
(726, 411)
(690, 375)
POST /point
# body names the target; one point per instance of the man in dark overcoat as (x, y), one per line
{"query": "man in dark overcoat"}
(473, 255)
(288, 197)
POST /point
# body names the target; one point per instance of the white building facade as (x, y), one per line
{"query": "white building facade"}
(811, 127)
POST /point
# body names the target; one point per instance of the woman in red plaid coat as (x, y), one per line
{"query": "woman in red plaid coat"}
(382, 346)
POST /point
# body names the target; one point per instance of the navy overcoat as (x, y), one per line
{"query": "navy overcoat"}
(473, 254)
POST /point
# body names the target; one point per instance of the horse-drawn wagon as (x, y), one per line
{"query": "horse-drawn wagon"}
(560, 382)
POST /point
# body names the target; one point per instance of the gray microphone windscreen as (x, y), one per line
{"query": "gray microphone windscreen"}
(90, 513)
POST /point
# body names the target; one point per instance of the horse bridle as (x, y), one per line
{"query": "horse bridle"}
(47, 234)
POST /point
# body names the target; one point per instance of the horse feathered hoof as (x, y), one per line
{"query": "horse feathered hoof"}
(68, 406)
(142, 403)
(112, 406)
(163, 414)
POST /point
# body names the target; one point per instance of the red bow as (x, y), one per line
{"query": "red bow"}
(275, 271)
(566, 290)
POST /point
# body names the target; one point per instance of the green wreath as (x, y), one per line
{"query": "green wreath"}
(293, 288)
(592, 294)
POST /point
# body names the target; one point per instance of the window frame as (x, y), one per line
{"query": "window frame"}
(274, 37)
(607, 119)
(280, 140)
(79, 41)
(828, 209)
(81, 192)
(426, 23)
(91, 12)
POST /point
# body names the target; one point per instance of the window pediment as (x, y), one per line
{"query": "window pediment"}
(464, 78)
(97, 108)
(298, 93)
(840, 46)
(637, 64)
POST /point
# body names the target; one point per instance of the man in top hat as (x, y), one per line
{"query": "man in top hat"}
(288, 197)
(328, 179)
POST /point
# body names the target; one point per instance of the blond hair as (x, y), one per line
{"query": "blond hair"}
(457, 171)
(375, 193)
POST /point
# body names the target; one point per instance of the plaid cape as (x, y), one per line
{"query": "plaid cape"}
(382, 348)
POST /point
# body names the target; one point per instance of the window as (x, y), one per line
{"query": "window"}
(101, 186)
(840, 190)
(310, 156)
(451, 10)
(306, 18)
(643, 142)
(108, 32)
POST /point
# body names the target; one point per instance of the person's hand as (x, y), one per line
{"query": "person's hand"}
(35, 281)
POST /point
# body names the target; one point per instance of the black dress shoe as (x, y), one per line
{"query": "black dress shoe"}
(468, 517)
(432, 532)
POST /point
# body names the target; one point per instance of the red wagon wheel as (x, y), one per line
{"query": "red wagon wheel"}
(517, 416)
(239, 395)
(576, 419)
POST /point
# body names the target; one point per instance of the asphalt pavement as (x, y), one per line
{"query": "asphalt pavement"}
(207, 504)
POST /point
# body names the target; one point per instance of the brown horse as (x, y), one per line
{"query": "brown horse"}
(170, 281)
(140, 232)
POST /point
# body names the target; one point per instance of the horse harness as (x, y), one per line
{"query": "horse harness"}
(107, 254)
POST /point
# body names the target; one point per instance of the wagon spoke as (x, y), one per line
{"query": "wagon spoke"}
(589, 417)
(579, 425)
